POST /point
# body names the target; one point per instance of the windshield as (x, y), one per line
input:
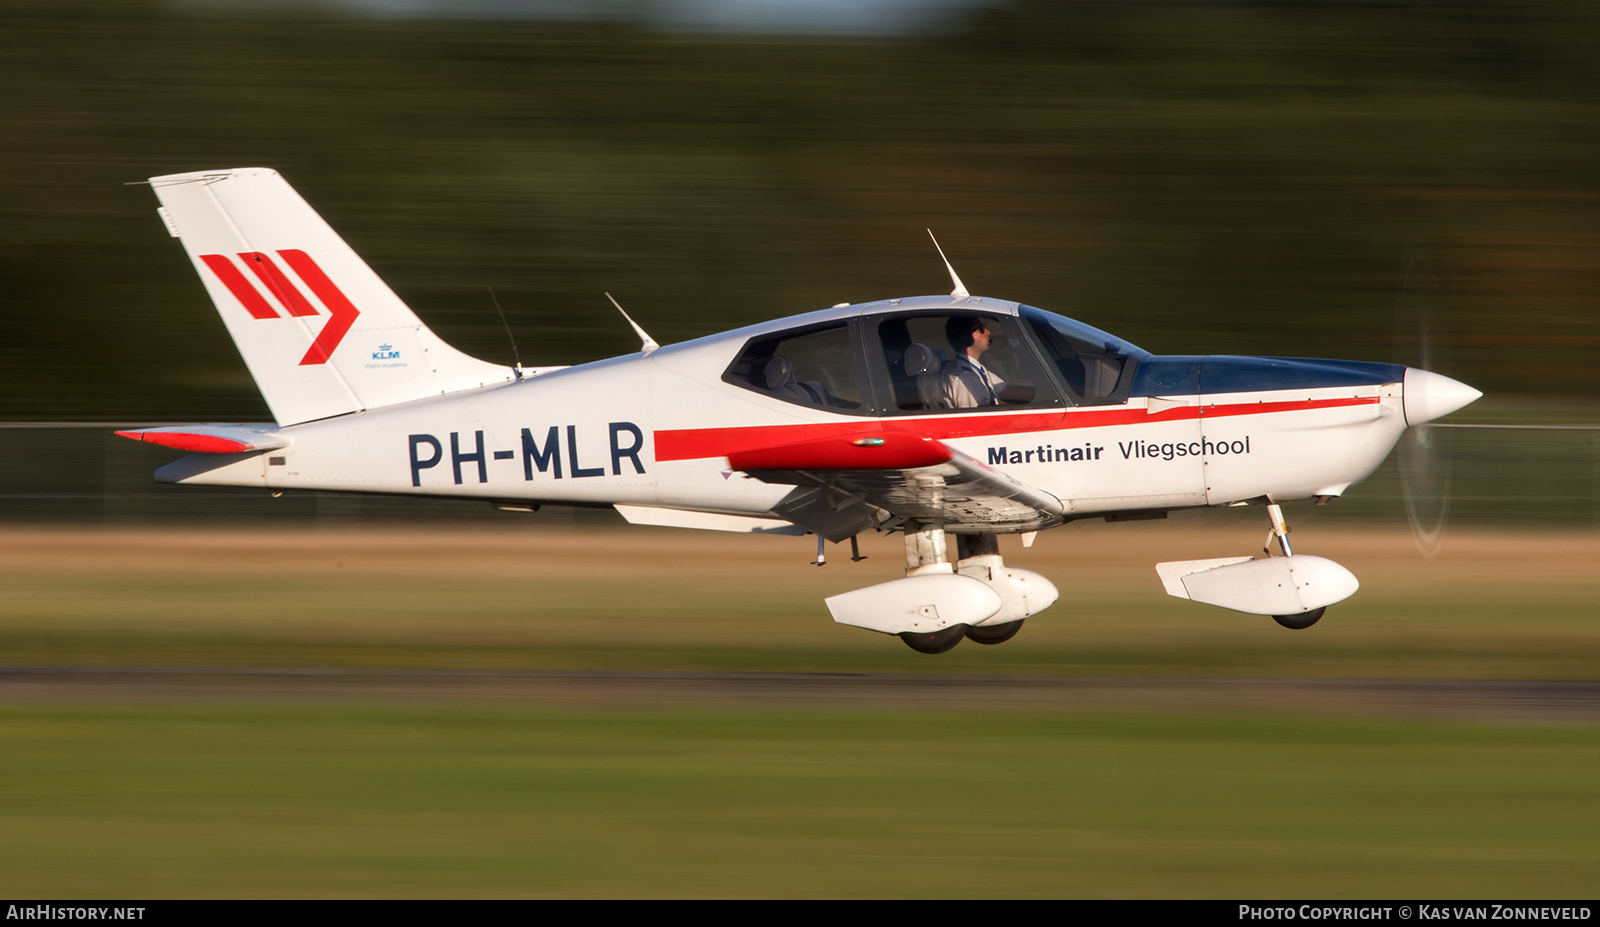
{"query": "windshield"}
(1090, 361)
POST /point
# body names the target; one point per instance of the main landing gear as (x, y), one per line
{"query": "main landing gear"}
(935, 641)
(997, 634)
(940, 603)
(977, 556)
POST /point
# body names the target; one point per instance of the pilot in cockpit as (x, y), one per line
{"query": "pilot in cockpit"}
(967, 383)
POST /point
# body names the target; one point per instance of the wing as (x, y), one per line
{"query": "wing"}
(848, 483)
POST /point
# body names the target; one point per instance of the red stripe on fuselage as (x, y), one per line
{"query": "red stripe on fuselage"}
(239, 286)
(696, 443)
(341, 312)
(278, 283)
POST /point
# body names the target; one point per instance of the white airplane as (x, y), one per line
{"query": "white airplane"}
(935, 416)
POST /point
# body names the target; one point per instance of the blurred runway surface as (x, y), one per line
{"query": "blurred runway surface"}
(1408, 698)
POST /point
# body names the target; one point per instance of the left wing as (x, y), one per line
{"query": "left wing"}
(848, 483)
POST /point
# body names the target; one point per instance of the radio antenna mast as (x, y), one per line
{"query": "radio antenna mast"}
(648, 343)
(515, 357)
(960, 288)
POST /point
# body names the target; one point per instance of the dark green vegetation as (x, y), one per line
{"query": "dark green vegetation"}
(403, 801)
(1200, 177)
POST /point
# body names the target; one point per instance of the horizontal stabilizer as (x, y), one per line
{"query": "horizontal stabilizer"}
(212, 439)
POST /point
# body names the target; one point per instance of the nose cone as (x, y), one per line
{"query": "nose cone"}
(1429, 396)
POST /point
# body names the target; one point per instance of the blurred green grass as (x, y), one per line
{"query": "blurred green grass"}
(218, 791)
(240, 801)
(1496, 605)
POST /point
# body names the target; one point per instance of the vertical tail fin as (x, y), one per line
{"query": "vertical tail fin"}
(321, 333)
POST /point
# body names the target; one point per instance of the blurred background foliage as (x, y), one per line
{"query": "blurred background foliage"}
(1199, 177)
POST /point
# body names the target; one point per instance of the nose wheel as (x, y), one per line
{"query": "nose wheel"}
(1280, 531)
(1302, 621)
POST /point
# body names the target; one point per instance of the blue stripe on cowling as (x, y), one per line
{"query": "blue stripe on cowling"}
(1180, 375)
(1168, 375)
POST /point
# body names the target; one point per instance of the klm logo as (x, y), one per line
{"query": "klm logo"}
(385, 352)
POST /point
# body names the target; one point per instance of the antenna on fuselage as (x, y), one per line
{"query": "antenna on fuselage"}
(960, 288)
(648, 343)
(516, 358)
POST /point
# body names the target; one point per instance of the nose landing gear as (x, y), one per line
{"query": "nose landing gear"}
(1294, 590)
(1280, 530)
(1300, 622)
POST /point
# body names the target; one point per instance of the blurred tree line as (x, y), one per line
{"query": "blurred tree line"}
(1199, 177)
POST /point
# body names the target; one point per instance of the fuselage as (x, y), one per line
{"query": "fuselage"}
(1110, 429)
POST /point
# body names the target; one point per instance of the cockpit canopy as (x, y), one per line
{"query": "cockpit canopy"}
(939, 360)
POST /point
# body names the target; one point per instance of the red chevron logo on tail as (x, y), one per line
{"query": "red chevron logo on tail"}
(341, 312)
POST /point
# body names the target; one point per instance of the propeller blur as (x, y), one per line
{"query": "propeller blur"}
(941, 417)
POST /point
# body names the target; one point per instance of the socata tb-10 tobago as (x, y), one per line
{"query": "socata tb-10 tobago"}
(935, 416)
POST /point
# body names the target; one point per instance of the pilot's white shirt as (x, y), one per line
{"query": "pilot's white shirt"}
(968, 384)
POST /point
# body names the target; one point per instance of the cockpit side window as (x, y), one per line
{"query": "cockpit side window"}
(947, 361)
(1092, 363)
(819, 368)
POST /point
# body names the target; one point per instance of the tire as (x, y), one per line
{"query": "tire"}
(994, 634)
(1302, 621)
(935, 641)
